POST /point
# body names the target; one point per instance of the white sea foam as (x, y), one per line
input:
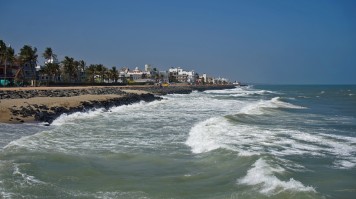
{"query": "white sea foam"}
(262, 175)
(240, 92)
(345, 164)
(234, 90)
(247, 153)
(71, 118)
(7, 195)
(204, 136)
(106, 195)
(131, 107)
(26, 179)
(257, 108)
(249, 140)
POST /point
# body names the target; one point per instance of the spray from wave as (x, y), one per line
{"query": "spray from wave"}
(258, 108)
(262, 175)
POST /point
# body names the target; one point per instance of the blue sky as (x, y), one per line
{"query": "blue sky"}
(255, 41)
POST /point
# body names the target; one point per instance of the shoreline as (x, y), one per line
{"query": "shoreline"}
(45, 104)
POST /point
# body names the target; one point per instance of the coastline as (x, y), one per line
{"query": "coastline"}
(45, 104)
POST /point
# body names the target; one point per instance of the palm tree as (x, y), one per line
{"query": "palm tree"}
(69, 67)
(49, 55)
(90, 71)
(52, 70)
(6, 53)
(28, 60)
(100, 69)
(114, 74)
(76, 75)
(107, 75)
(7, 57)
(81, 69)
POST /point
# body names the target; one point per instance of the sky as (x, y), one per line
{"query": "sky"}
(252, 41)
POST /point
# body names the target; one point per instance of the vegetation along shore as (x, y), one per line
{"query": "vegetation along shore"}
(30, 91)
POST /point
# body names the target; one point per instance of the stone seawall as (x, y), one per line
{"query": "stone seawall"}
(181, 89)
(45, 114)
(46, 104)
(118, 90)
(26, 94)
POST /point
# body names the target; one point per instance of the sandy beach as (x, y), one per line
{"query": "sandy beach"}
(21, 104)
(6, 115)
(6, 105)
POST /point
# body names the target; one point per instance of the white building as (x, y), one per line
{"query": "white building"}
(220, 80)
(52, 60)
(181, 75)
(135, 74)
(148, 68)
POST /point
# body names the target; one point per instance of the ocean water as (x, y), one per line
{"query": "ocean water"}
(249, 142)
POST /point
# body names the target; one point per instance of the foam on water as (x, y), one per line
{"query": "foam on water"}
(204, 137)
(71, 118)
(257, 127)
(240, 92)
(218, 132)
(257, 108)
(31, 142)
(262, 175)
(25, 178)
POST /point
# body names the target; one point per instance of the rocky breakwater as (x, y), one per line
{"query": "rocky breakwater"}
(47, 105)
(30, 93)
(45, 114)
(172, 89)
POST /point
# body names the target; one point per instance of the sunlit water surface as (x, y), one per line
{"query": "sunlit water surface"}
(250, 142)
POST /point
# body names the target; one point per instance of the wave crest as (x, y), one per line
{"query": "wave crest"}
(263, 174)
(257, 108)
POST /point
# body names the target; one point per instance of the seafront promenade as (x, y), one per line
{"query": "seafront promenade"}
(44, 104)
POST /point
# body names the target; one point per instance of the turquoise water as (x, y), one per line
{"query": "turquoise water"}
(251, 142)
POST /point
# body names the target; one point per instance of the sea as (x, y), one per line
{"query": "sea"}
(259, 141)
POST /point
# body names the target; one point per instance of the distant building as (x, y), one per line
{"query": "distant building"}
(52, 60)
(44, 77)
(135, 74)
(12, 69)
(220, 80)
(180, 75)
(148, 68)
(163, 76)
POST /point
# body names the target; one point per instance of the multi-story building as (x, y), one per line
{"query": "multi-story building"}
(180, 75)
(135, 74)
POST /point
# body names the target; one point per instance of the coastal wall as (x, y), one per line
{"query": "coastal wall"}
(21, 105)
(181, 89)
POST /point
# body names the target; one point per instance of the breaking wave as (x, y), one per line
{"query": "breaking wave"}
(101, 112)
(248, 140)
(70, 118)
(241, 92)
(257, 108)
(262, 175)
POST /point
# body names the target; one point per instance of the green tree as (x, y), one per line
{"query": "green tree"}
(114, 74)
(7, 57)
(28, 60)
(52, 70)
(70, 68)
(48, 54)
(101, 70)
(91, 72)
(6, 53)
(81, 70)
